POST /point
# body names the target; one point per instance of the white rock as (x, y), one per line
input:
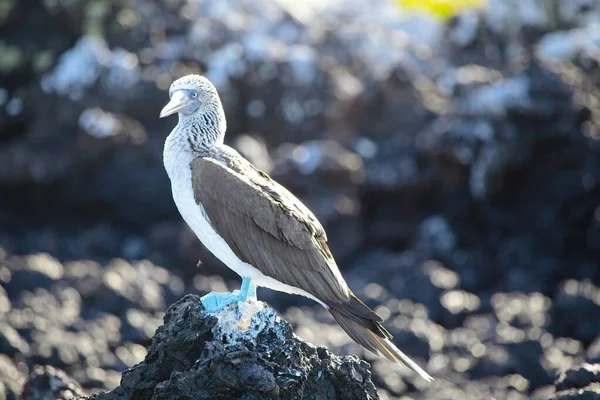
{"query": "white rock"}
(566, 45)
(124, 71)
(505, 16)
(78, 68)
(465, 30)
(244, 321)
(99, 123)
(493, 100)
(14, 106)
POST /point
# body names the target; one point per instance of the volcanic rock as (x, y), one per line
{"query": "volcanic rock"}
(244, 351)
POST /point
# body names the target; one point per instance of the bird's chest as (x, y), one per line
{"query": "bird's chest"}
(178, 169)
(192, 212)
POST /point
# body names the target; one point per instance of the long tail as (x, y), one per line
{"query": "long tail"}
(364, 327)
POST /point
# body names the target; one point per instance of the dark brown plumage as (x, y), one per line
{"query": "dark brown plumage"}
(267, 227)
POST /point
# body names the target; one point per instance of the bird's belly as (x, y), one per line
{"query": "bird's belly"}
(194, 216)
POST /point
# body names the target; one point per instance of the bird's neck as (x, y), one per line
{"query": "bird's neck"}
(187, 141)
(200, 131)
(194, 136)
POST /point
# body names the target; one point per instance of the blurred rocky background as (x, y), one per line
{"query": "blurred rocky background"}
(451, 153)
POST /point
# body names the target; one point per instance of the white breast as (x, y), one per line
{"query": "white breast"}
(177, 163)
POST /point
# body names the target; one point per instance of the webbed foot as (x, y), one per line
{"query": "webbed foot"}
(214, 302)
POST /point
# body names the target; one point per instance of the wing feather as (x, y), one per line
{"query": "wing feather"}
(267, 227)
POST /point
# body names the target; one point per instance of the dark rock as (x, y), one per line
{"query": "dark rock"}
(245, 350)
(511, 386)
(578, 377)
(32, 272)
(522, 310)
(580, 298)
(591, 392)
(581, 382)
(11, 379)
(49, 383)
(87, 319)
(137, 285)
(424, 281)
(11, 343)
(593, 352)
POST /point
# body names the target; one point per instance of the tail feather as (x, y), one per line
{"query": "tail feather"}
(369, 333)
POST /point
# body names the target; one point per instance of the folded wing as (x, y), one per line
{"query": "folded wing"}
(267, 227)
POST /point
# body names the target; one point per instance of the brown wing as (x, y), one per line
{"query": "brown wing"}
(267, 227)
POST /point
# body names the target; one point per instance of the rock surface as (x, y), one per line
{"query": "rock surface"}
(581, 382)
(244, 351)
(48, 383)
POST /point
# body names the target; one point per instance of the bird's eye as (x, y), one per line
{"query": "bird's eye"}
(194, 95)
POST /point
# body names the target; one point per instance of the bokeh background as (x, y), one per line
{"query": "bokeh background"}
(449, 148)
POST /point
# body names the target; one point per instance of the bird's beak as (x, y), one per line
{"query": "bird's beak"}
(179, 100)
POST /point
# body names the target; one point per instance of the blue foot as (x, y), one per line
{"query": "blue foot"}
(214, 302)
(247, 290)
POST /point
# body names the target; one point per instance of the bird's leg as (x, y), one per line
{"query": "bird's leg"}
(248, 290)
(214, 302)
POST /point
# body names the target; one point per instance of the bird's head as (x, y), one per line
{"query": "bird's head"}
(197, 102)
(189, 95)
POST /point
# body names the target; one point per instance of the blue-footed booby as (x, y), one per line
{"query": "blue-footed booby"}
(254, 225)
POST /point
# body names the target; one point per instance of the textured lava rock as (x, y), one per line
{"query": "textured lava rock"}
(92, 321)
(581, 382)
(11, 379)
(244, 351)
(48, 383)
(581, 299)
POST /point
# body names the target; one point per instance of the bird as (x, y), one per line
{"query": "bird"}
(253, 224)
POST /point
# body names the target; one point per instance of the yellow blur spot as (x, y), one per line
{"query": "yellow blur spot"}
(440, 8)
